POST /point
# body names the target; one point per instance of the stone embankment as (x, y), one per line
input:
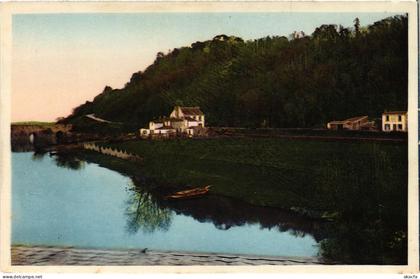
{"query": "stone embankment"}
(122, 154)
(46, 255)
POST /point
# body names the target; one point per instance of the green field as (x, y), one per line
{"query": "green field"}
(284, 173)
(360, 187)
(34, 123)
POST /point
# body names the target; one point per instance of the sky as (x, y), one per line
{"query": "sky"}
(60, 61)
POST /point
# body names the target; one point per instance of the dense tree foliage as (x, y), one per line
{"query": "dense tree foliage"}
(301, 81)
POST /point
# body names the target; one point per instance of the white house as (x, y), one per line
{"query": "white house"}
(182, 120)
(193, 115)
(160, 127)
(394, 121)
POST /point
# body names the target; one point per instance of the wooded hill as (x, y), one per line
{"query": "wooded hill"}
(300, 81)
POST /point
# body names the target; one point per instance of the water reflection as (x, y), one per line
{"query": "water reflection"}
(38, 155)
(144, 213)
(377, 229)
(148, 212)
(63, 160)
(226, 213)
(69, 161)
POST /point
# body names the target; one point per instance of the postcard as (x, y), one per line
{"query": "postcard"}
(209, 137)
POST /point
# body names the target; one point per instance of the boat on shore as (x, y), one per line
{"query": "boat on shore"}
(190, 193)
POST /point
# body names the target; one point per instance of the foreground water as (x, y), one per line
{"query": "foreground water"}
(91, 206)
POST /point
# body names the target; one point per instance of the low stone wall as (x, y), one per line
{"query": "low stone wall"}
(122, 154)
(47, 255)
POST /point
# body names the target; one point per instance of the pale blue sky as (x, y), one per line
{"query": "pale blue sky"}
(178, 29)
(71, 57)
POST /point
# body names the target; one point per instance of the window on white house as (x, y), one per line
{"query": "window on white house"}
(387, 127)
(400, 127)
(387, 118)
(399, 118)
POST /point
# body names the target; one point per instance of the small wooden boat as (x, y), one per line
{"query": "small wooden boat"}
(191, 193)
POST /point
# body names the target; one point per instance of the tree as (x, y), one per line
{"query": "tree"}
(357, 26)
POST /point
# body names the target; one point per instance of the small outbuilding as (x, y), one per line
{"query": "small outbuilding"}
(354, 123)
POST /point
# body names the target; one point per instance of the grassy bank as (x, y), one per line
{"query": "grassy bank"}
(311, 133)
(34, 123)
(310, 174)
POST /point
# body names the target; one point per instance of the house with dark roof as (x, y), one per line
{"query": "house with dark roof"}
(193, 115)
(182, 121)
(394, 121)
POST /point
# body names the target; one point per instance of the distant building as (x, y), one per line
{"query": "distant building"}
(354, 123)
(394, 121)
(182, 121)
(192, 115)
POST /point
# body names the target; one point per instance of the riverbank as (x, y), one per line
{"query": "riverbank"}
(316, 179)
(50, 255)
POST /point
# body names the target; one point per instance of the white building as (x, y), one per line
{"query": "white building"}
(193, 115)
(182, 120)
(394, 121)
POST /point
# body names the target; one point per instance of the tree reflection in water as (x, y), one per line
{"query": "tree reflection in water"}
(144, 213)
(38, 155)
(142, 210)
(68, 161)
(225, 213)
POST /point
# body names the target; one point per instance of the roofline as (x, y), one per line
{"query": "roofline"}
(352, 119)
(395, 112)
(194, 108)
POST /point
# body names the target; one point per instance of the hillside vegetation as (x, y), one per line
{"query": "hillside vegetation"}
(301, 81)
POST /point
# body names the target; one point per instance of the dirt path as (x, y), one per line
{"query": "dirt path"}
(48, 255)
(93, 117)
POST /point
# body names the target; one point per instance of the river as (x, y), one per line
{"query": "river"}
(82, 204)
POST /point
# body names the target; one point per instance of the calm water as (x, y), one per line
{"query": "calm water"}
(85, 205)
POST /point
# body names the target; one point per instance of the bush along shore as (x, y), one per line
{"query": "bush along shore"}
(360, 188)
